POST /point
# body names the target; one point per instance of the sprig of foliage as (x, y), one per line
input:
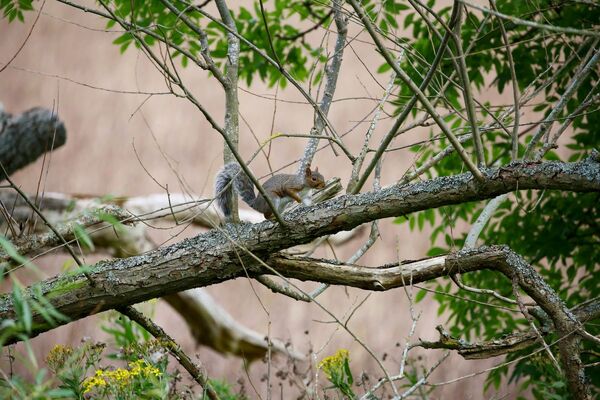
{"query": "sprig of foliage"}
(12, 9)
(337, 370)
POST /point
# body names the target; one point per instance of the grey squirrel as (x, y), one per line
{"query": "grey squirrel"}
(278, 187)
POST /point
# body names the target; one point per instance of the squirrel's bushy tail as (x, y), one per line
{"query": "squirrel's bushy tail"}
(224, 191)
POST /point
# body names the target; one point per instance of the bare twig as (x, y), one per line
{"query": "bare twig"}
(515, 285)
(332, 71)
(357, 165)
(37, 17)
(284, 73)
(571, 88)
(515, 86)
(466, 86)
(418, 92)
(519, 21)
(590, 99)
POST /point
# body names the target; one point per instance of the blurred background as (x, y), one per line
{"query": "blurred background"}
(126, 136)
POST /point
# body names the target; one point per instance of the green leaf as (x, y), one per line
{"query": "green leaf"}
(10, 250)
(420, 295)
(83, 237)
(21, 307)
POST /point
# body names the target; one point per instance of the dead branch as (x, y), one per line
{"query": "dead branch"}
(25, 137)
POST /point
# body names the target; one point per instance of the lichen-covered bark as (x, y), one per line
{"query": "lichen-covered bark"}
(215, 256)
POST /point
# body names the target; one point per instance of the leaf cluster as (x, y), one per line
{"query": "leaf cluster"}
(558, 233)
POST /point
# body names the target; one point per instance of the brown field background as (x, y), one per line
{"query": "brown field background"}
(69, 64)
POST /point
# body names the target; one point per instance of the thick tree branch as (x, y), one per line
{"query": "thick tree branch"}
(25, 137)
(215, 256)
(32, 244)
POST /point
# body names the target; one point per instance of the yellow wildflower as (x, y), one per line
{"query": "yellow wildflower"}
(120, 377)
(333, 365)
(142, 367)
(92, 382)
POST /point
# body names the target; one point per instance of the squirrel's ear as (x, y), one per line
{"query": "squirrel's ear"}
(307, 171)
(316, 169)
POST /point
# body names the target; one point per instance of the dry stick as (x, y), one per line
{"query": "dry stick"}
(26, 38)
(332, 72)
(574, 84)
(410, 390)
(589, 100)
(185, 361)
(231, 97)
(421, 96)
(515, 85)
(354, 258)
(407, 108)
(423, 380)
(282, 288)
(586, 335)
(357, 165)
(519, 21)
(482, 221)
(415, 318)
(210, 64)
(450, 149)
(286, 74)
(460, 284)
(501, 365)
(194, 101)
(9, 220)
(515, 286)
(466, 83)
(269, 38)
